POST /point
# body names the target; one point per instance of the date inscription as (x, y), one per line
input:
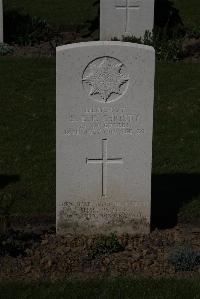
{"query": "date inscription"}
(107, 121)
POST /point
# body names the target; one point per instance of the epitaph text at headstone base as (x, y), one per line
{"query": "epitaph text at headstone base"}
(1, 21)
(120, 18)
(105, 94)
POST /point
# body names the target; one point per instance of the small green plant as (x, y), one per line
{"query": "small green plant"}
(194, 32)
(132, 39)
(166, 49)
(5, 49)
(23, 29)
(106, 245)
(147, 39)
(184, 258)
(169, 50)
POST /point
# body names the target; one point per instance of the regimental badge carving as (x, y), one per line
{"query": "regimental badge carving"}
(105, 79)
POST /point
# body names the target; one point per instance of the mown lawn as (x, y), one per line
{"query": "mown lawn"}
(64, 13)
(76, 12)
(176, 142)
(176, 118)
(189, 11)
(102, 289)
(27, 129)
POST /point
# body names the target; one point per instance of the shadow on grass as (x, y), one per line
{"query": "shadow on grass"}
(6, 180)
(169, 193)
(167, 17)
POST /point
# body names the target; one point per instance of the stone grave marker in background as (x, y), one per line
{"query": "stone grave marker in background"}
(105, 93)
(1, 21)
(120, 18)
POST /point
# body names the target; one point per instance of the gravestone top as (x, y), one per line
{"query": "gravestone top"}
(104, 137)
(104, 43)
(1, 21)
(120, 18)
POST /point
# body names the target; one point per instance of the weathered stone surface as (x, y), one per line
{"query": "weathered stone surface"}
(105, 93)
(1, 21)
(120, 18)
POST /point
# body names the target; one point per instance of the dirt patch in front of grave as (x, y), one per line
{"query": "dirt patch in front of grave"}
(42, 255)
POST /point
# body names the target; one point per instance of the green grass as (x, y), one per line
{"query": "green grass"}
(58, 12)
(102, 289)
(189, 11)
(27, 129)
(176, 116)
(191, 210)
(76, 12)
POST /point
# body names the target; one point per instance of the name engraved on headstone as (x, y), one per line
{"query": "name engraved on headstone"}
(94, 121)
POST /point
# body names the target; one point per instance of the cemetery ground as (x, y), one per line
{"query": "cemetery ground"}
(28, 133)
(30, 250)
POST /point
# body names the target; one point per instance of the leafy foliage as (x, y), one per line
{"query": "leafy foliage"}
(184, 258)
(15, 243)
(5, 49)
(106, 245)
(169, 50)
(23, 29)
(166, 49)
(194, 32)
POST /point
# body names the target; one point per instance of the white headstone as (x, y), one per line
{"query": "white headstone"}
(120, 18)
(105, 93)
(1, 21)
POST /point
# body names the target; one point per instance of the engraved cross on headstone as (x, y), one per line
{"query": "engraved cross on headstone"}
(128, 6)
(104, 161)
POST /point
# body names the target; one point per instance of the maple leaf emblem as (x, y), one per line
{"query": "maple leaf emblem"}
(106, 78)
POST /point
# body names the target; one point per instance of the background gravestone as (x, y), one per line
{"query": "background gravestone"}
(105, 93)
(1, 21)
(120, 18)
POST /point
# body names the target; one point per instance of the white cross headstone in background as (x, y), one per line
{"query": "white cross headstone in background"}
(129, 7)
(1, 21)
(120, 18)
